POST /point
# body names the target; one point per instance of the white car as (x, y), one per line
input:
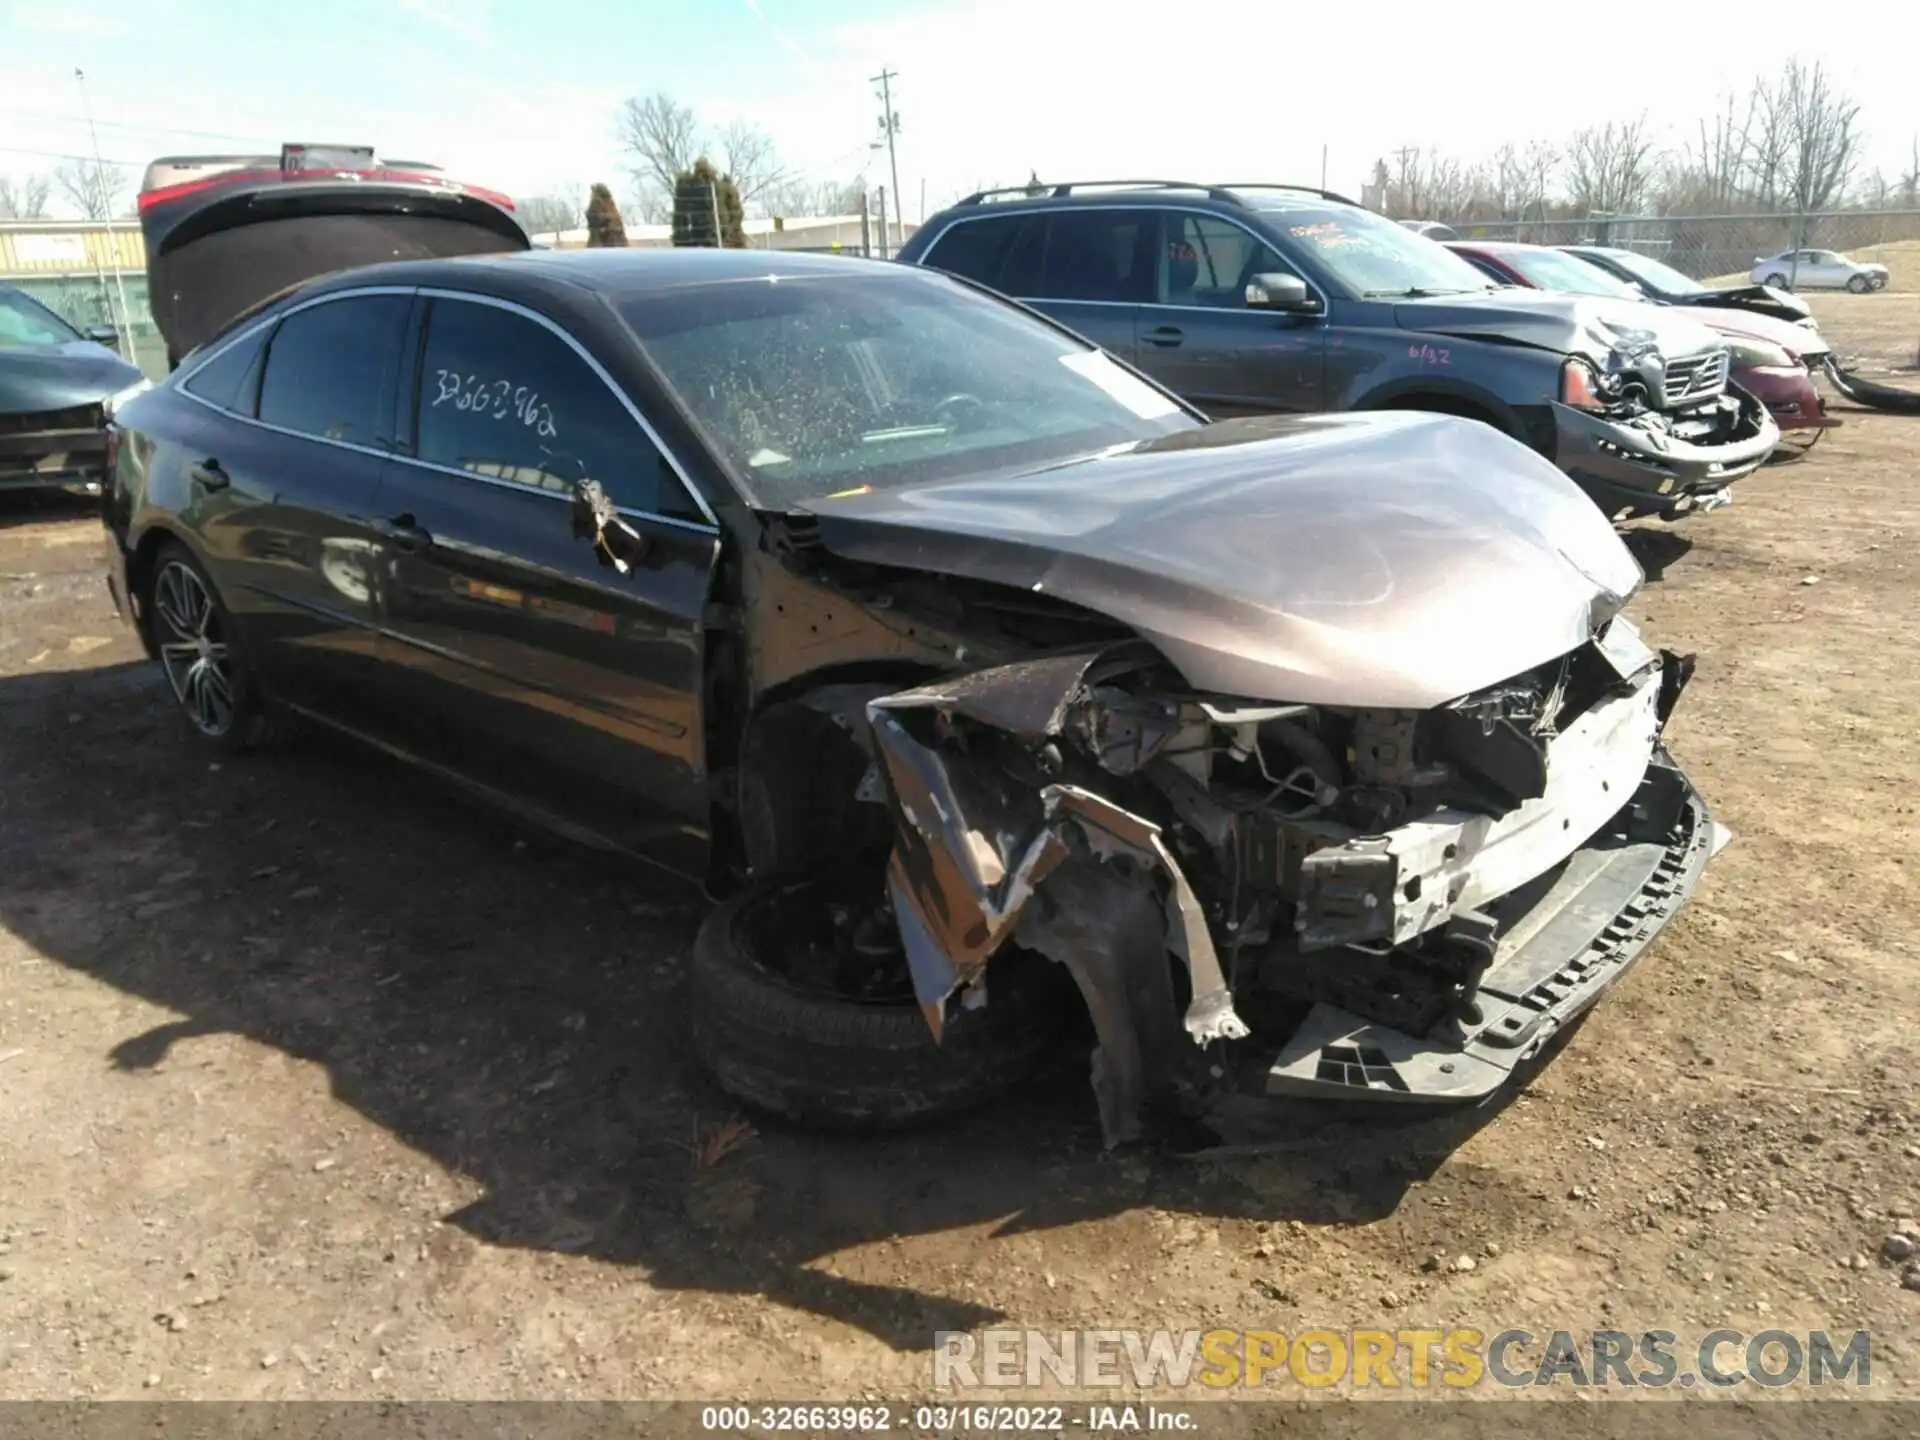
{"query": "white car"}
(1817, 270)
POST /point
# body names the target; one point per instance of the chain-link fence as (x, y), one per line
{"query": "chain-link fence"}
(1715, 247)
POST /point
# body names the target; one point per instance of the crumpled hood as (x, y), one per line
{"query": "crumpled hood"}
(1393, 560)
(1797, 340)
(1589, 326)
(56, 377)
(1760, 299)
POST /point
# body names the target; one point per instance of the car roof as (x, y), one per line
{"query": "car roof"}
(1494, 247)
(612, 272)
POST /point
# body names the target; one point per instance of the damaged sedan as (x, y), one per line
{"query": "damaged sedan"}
(988, 684)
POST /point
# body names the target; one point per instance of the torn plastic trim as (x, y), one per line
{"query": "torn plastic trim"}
(973, 846)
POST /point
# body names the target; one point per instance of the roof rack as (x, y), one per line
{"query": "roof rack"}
(1332, 195)
(1213, 192)
(1225, 192)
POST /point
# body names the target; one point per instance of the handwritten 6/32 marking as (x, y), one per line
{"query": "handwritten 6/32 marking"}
(496, 398)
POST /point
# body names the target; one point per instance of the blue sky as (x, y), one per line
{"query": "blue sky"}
(523, 94)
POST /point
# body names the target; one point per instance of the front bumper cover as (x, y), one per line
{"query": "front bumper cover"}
(52, 459)
(1553, 963)
(1631, 472)
(983, 859)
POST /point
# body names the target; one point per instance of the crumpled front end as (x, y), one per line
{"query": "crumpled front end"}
(1283, 898)
(1635, 461)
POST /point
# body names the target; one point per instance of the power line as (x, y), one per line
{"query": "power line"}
(65, 155)
(138, 129)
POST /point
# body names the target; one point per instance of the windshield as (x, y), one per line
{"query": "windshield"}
(1556, 270)
(1656, 275)
(812, 386)
(27, 324)
(1375, 256)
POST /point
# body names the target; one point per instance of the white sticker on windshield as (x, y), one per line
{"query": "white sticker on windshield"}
(1138, 396)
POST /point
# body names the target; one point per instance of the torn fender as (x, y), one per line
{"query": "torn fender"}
(974, 844)
(1861, 391)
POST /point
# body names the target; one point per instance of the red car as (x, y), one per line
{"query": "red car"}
(1773, 360)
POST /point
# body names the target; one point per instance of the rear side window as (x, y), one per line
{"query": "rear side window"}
(504, 397)
(977, 249)
(231, 379)
(1100, 255)
(331, 369)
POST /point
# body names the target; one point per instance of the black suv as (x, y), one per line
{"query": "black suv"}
(1252, 299)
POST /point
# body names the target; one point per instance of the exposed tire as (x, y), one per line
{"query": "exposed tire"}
(844, 1064)
(1859, 284)
(1778, 282)
(201, 654)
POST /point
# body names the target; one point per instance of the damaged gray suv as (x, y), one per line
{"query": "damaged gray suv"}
(986, 679)
(1272, 299)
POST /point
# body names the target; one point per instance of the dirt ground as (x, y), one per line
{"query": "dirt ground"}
(317, 1082)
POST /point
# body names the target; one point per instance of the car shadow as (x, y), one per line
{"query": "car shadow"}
(1656, 549)
(510, 1006)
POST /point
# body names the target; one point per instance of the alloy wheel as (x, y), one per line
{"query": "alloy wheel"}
(193, 649)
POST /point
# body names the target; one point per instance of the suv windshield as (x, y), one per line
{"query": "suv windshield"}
(25, 322)
(811, 386)
(1655, 274)
(1375, 256)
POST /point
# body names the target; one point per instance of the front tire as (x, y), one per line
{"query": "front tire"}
(782, 1044)
(196, 640)
(1859, 284)
(1778, 282)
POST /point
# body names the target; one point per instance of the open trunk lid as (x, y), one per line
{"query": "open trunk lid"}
(224, 233)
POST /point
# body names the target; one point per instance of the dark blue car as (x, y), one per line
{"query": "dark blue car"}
(58, 390)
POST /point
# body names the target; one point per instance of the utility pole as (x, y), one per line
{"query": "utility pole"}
(889, 127)
(125, 325)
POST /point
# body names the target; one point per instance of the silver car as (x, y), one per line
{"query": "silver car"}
(1817, 270)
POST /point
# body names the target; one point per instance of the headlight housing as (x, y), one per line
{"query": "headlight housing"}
(121, 397)
(1756, 353)
(1580, 386)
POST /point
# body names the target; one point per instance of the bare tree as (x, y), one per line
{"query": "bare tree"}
(747, 154)
(1610, 167)
(1714, 172)
(1540, 163)
(24, 199)
(1812, 134)
(1910, 182)
(95, 190)
(661, 137)
(551, 212)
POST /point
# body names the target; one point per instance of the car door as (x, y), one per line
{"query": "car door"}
(285, 473)
(524, 656)
(1830, 271)
(1199, 338)
(1089, 268)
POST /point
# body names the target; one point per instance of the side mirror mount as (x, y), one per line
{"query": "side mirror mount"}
(1286, 293)
(106, 335)
(616, 542)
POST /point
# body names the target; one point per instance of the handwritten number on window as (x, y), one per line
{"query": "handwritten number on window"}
(496, 399)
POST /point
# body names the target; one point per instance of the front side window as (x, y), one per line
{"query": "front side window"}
(331, 368)
(26, 324)
(1100, 255)
(1210, 261)
(503, 397)
(231, 379)
(807, 387)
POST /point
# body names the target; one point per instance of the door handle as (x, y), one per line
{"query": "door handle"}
(404, 534)
(1165, 336)
(209, 476)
